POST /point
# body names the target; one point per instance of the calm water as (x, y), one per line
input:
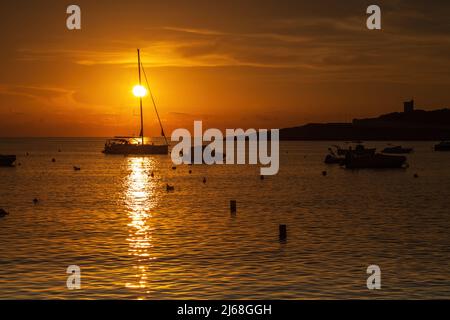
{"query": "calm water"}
(134, 240)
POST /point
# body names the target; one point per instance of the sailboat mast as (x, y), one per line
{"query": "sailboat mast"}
(140, 98)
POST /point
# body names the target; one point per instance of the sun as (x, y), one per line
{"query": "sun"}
(139, 91)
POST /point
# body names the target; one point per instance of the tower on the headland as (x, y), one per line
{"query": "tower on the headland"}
(408, 106)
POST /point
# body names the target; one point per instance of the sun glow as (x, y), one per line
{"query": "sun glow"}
(139, 91)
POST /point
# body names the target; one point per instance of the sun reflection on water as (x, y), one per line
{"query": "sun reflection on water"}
(140, 199)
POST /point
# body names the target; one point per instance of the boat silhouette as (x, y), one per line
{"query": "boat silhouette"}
(7, 160)
(332, 158)
(397, 150)
(442, 146)
(375, 161)
(358, 150)
(136, 145)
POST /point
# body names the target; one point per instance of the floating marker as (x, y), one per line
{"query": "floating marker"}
(283, 232)
(233, 208)
(324, 173)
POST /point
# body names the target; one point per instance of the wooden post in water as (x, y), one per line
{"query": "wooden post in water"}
(282, 232)
(233, 207)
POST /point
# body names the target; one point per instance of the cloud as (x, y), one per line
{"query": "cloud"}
(47, 96)
(50, 99)
(320, 40)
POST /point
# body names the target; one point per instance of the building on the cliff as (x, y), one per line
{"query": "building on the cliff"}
(408, 106)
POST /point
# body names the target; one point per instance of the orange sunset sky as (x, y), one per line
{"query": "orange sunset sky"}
(262, 64)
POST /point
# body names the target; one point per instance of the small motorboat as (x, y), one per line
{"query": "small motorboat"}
(332, 159)
(359, 150)
(442, 146)
(376, 161)
(7, 160)
(397, 150)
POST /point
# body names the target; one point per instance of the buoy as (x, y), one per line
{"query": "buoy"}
(53, 160)
(261, 177)
(282, 232)
(3, 213)
(169, 187)
(204, 180)
(233, 206)
(59, 150)
(35, 200)
(190, 171)
(416, 175)
(28, 154)
(152, 175)
(76, 168)
(324, 173)
(174, 168)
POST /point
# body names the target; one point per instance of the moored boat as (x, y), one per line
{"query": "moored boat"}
(397, 150)
(358, 150)
(7, 160)
(137, 145)
(442, 146)
(376, 161)
(333, 159)
(126, 146)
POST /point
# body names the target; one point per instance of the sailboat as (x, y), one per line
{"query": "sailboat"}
(136, 145)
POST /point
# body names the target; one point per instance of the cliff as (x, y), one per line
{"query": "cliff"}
(413, 125)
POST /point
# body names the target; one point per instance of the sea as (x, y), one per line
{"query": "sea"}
(132, 239)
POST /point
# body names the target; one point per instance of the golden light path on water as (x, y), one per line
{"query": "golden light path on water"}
(140, 199)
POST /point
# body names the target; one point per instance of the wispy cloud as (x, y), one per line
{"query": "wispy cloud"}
(316, 46)
(46, 96)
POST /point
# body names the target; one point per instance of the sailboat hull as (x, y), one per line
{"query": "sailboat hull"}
(136, 149)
